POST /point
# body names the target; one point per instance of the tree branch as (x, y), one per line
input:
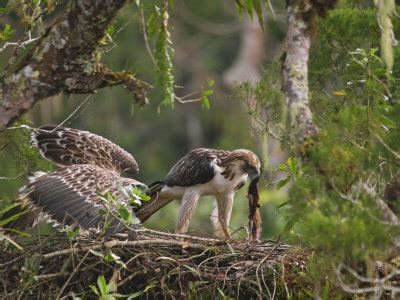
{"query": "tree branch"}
(65, 60)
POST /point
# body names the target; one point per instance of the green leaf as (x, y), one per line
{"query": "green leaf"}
(250, 8)
(8, 207)
(325, 291)
(125, 214)
(72, 233)
(281, 183)
(94, 289)
(12, 218)
(259, 11)
(239, 8)
(110, 30)
(292, 221)
(117, 295)
(282, 167)
(97, 253)
(137, 193)
(101, 282)
(139, 293)
(6, 33)
(292, 164)
(107, 297)
(110, 256)
(205, 102)
(286, 203)
(135, 295)
(387, 122)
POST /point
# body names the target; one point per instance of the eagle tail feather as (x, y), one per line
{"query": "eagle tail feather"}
(155, 187)
(151, 207)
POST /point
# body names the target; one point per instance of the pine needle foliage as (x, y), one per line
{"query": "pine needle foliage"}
(337, 204)
(338, 200)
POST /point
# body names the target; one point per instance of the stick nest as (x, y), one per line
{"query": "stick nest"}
(151, 264)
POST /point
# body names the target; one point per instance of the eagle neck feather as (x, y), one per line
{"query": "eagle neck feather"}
(229, 161)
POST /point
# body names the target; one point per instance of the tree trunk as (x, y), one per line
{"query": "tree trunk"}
(295, 68)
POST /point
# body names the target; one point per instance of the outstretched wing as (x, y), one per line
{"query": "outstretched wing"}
(66, 146)
(196, 167)
(71, 196)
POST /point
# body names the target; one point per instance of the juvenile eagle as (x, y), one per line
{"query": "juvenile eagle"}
(90, 166)
(199, 173)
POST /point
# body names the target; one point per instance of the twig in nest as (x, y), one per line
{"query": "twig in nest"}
(254, 212)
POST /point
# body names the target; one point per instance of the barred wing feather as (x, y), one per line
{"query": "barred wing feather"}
(67, 146)
(71, 195)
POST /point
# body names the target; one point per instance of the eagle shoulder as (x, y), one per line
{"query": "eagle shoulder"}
(196, 167)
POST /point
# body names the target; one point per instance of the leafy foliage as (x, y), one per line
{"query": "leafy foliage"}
(253, 7)
(291, 168)
(6, 33)
(105, 291)
(337, 200)
(158, 26)
(264, 102)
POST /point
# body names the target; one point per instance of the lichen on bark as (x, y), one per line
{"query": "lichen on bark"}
(295, 69)
(65, 60)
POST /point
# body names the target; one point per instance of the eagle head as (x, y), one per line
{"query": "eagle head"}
(249, 163)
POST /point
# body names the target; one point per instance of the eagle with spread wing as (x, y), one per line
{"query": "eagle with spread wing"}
(199, 173)
(90, 167)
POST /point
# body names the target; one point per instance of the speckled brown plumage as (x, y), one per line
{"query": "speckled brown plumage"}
(67, 146)
(196, 166)
(90, 167)
(202, 172)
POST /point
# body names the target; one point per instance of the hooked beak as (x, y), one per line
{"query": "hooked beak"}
(254, 174)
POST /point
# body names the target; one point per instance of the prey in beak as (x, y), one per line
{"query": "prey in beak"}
(254, 207)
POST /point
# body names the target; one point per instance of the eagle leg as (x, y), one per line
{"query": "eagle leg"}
(189, 203)
(224, 208)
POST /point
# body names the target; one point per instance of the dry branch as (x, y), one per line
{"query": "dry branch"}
(65, 59)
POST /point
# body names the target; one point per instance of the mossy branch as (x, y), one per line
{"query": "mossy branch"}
(65, 60)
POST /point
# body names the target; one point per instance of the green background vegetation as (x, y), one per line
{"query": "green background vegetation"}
(326, 207)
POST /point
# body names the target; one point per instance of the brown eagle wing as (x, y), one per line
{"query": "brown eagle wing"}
(71, 195)
(194, 168)
(67, 146)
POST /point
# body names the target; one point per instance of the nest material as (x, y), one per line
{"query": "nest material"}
(152, 264)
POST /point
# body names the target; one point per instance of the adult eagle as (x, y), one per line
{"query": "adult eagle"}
(89, 166)
(199, 173)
